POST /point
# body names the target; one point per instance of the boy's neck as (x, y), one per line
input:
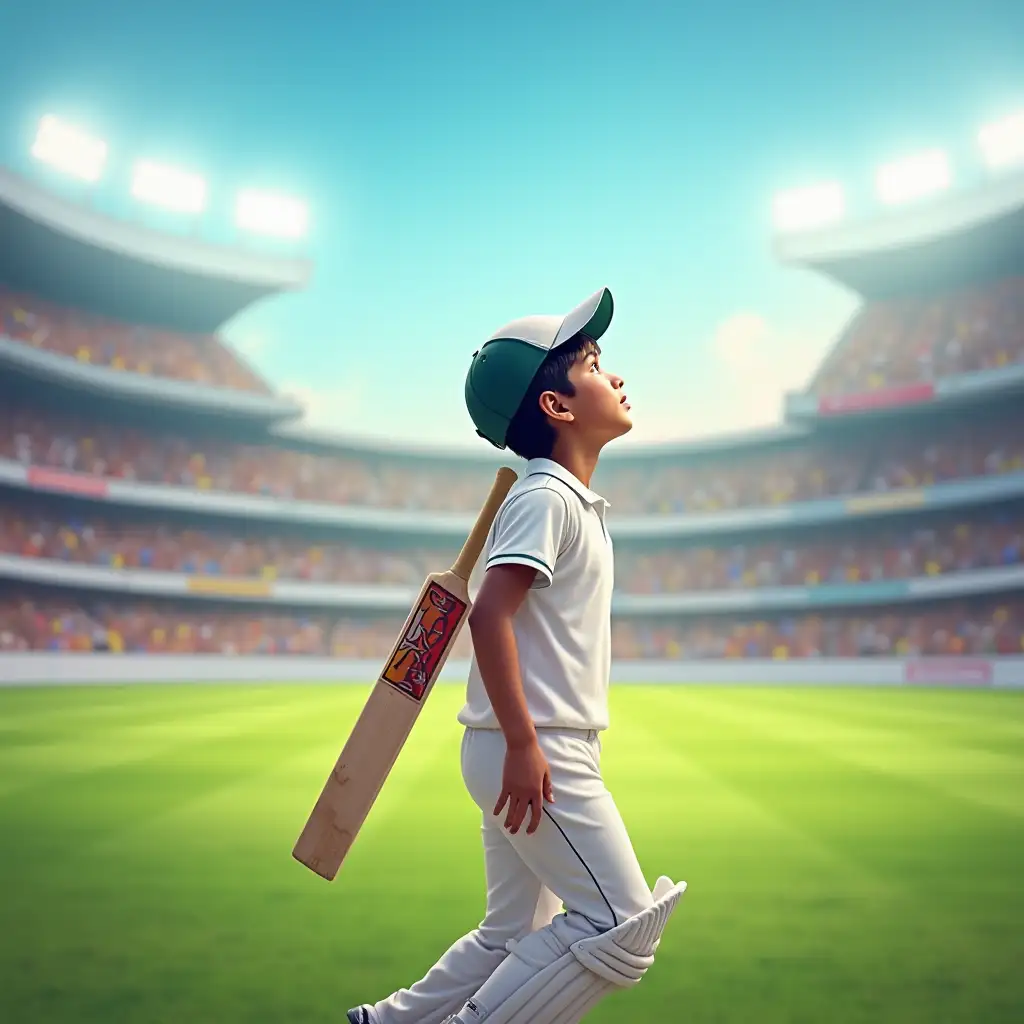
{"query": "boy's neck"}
(577, 459)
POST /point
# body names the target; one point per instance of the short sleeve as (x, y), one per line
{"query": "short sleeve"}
(531, 530)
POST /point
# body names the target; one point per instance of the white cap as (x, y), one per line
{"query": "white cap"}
(591, 317)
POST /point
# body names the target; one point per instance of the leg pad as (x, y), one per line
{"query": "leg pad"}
(550, 985)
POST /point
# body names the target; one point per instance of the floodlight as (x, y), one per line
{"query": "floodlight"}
(69, 149)
(1002, 143)
(265, 214)
(173, 189)
(913, 177)
(812, 207)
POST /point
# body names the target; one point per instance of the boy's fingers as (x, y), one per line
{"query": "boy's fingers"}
(514, 816)
(524, 810)
(534, 815)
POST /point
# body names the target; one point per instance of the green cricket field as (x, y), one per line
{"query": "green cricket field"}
(852, 855)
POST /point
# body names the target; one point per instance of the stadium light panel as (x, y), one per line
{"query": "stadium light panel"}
(1002, 142)
(807, 208)
(69, 149)
(265, 214)
(173, 189)
(913, 177)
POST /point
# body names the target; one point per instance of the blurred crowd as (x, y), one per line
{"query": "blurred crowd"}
(210, 551)
(897, 549)
(949, 629)
(906, 341)
(74, 443)
(59, 623)
(729, 481)
(200, 359)
(952, 629)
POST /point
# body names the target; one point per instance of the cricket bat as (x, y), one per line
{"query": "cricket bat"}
(394, 704)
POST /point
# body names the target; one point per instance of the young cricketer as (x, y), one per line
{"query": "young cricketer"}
(570, 916)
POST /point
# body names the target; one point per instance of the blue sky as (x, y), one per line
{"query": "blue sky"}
(469, 163)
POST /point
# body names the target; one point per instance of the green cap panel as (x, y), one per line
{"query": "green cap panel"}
(497, 382)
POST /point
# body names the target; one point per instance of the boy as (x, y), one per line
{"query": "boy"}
(537, 701)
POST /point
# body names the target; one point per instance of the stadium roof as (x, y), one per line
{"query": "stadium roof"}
(954, 240)
(77, 256)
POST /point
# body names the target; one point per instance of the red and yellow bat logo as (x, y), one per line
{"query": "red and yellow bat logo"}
(430, 631)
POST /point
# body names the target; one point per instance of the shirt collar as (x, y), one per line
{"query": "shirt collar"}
(536, 467)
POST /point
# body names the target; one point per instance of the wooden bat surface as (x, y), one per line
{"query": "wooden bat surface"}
(421, 650)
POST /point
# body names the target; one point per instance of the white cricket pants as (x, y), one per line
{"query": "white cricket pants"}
(580, 857)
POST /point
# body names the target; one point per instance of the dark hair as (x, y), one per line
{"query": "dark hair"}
(531, 433)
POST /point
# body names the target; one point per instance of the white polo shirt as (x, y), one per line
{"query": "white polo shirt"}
(554, 524)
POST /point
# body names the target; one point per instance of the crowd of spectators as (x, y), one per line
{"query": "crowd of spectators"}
(735, 480)
(60, 624)
(912, 340)
(134, 348)
(730, 481)
(30, 532)
(949, 630)
(896, 549)
(76, 444)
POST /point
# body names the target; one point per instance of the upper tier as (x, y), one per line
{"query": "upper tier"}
(957, 239)
(98, 341)
(79, 257)
(906, 341)
(95, 305)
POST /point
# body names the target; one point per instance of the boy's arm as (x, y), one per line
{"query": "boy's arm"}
(526, 777)
(528, 535)
(494, 643)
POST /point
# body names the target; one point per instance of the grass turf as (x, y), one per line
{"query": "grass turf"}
(852, 855)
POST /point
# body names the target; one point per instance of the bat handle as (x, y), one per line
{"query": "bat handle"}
(463, 567)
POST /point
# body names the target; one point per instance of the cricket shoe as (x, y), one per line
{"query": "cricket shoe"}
(361, 1015)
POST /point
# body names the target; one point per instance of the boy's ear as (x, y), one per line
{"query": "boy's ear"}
(552, 405)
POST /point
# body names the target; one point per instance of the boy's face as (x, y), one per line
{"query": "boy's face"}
(599, 408)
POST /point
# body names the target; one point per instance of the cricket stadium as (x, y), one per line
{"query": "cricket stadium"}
(818, 631)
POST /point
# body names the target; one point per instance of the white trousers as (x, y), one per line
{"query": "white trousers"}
(580, 858)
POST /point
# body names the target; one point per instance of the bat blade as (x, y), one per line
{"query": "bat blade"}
(384, 725)
(395, 703)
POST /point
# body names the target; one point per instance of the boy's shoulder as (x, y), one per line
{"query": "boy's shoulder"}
(538, 492)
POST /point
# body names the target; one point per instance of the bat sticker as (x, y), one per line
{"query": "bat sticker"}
(430, 631)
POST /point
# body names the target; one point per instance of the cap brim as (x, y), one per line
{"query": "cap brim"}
(590, 317)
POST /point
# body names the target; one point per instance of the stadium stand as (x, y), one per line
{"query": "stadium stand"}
(953, 628)
(913, 340)
(866, 529)
(933, 545)
(133, 348)
(897, 457)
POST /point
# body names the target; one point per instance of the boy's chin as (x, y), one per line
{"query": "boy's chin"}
(623, 426)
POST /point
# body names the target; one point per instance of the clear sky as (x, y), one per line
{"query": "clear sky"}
(468, 163)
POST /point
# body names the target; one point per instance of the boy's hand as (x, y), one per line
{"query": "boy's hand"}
(526, 784)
